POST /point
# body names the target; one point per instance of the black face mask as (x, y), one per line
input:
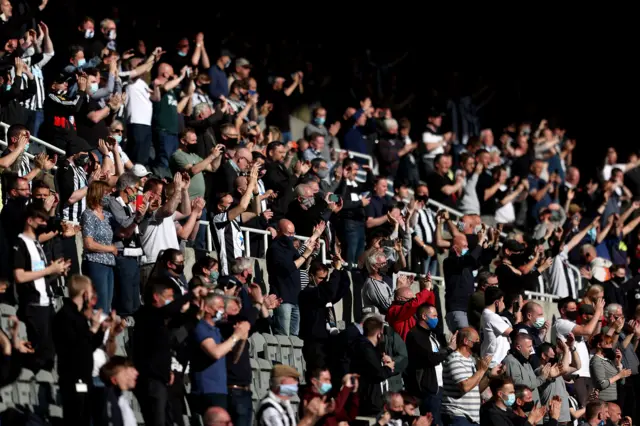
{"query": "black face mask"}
(571, 315)
(609, 353)
(527, 406)
(179, 269)
(231, 142)
(249, 279)
(619, 280)
(396, 415)
(472, 240)
(82, 160)
(40, 229)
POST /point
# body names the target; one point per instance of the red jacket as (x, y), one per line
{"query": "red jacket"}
(401, 315)
(347, 404)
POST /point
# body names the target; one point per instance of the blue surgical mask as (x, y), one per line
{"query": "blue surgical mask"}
(592, 234)
(8, 86)
(118, 138)
(166, 302)
(93, 87)
(511, 399)
(432, 323)
(289, 390)
(218, 316)
(214, 275)
(181, 53)
(320, 120)
(539, 322)
(81, 62)
(291, 238)
(464, 251)
(325, 388)
(26, 147)
(322, 174)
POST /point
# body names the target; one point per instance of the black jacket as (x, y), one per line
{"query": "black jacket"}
(75, 344)
(111, 414)
(353, 210)
(284, 276)
(494, 416)
(282, 181)
(313, 300)
(420, 377)
(458, 279)
(367, 362)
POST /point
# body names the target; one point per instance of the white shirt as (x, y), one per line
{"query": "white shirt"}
(128, 417)
(159, 236)
(139, 109)
(494, 341)
(435, 347)
(563, 328)
(430, 137)
(123, 156)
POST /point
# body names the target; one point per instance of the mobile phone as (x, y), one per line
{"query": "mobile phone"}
(139, 201)
(365, 194)
(334, 198)
(387, 243)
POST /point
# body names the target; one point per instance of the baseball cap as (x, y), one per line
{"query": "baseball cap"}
(140, 171)
(282, 370)
(513, 245)
(243, 62)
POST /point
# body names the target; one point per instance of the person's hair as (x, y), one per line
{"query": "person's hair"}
(196, 280)
(95, 193)
(87, 19)
(105, 22)
(409, 399)
(185, 132)
(157, 286)
(388, 397)
(404, 123)
(14, 130)
(225, 127)
(273, 146)
(315, 372)
(390, 123)
(544, 347)
(520, 390)
(528, 308)
(316, 266)
(151, 184)
(562, 303)
(600, 339)
(92, 71)
(483, 278)
(205, 262)
(521, 337)
(316, 110)
(239, 84)
(491, 295)
(465, 333)
(112, 367)
(371, 326)
(169, 255)
(275, 132)
(198, 109)
(37, 184)
(241, 264)
(612, 308)
(74, 49)
(424, 308)
(498, 383)
(372, 260)
(115, 123)
(300, 190)
(317, 161)
(77, 284)
(314, 136)
(126, 180)
(592, 409)
(36, 210)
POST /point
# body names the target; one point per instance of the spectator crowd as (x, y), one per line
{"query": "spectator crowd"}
(170, 228)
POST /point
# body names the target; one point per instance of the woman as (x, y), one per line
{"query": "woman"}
(116, 130)
(207, 269)
(606, 367)
(99, 250)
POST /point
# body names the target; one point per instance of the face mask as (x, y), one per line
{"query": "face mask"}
(131, 198)
(461, 226)
(383, 269)
(179, 269)
(571, 315)
(320, 120)
(214, 275)
(289, 390)
(93, 87)
(105, 200)
(181, 53)
(290, 238)
(539, 322)
(619, 280)
(592, 234)
(117, 138)
(218, 315)
(166, 302)
(609, 353)
(88, 34)
(511, 399)
(40, 229)
(395, 415)
(308, 202)
(232, 142)
(81, 62)
(432, 323)
(29, 52)
(464, 251)
(8, 86)
(112, 35)
(322, 174)
(324, 388)
(601, 423)
(226, 64)
(527, 406)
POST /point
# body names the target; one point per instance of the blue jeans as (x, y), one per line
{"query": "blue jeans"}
(139, 142)
(240, 407)
(201, 237)
(286, 320)
(37, 122)
(431, 404)
(166, 145)
(429, 264)
(456, 420)
(286, 137)
(102, 278)
(127, 278)
(354, 239)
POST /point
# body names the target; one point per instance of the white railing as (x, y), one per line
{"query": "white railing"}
(29, 156)
(540, 296)
(33, 139)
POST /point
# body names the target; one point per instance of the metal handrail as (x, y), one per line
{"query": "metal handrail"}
(29, 156)
(357, 155)
(33, 139)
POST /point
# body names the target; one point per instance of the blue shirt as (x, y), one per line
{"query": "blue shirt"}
(219, 84)
(208, 375)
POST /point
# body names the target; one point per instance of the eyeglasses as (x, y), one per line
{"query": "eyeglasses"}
(118, 131)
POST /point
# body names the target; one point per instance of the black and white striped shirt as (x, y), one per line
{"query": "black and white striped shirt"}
(425, 228)
(37, 101)
(228, 240)
(70, 179)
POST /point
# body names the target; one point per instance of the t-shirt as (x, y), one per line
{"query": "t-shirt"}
(29, 256)
(157, 236)
(208, 375)
(165, 112)
(179, 161)
(457, 369)
(87, 129)
(563, 328)
(139, 108)
(435, 182)
(494, 342)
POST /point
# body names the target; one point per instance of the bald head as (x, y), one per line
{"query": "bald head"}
(165, 70)
(217, 415)
(460, 244)
(243, 154)
(403, 294)
(285, 227)
(241, 184)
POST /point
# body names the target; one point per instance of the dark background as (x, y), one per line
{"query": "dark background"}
(535, 68)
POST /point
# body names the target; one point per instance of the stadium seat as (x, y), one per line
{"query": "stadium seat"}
(7, 310)
(265, 376)
(297, 360)
(271, 347)
(256, 345)
(284, 355)
(255, 372)
(254, 398)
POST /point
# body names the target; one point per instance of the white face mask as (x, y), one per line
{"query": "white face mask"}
(88, 34)
(29, 52)
(112, 35)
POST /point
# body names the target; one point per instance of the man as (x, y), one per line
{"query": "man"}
(402, 312)
(517, 366)
(77, 334)
(276, 409)
(595, 413)
(376, 291)
(533, 323)
(316, 147)
(281, 98)
(424, 374)
(216, 416)
(152, 347)
(346, 399)
(283, 266)
(31, 273)
(208, 362)
(279, 179)
(476, 301)
(462, 379)
(495, 328)
(567, 324)
(377, 211)
(318, 322)
(458, 277)
(318, 126)
(119, 376)
(231, 169)
(219, 86)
